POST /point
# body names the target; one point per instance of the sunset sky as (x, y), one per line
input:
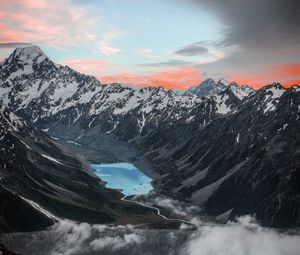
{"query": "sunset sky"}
(173, 43)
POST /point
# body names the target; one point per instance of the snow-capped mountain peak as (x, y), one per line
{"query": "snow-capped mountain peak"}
(209, 88)
(28, 55)
(240, 91)
(223, 81)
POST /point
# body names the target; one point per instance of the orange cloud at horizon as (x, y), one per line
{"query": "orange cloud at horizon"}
(181, 78)
(290, 72)
(286, 74)
(292, 83)
(289, 69)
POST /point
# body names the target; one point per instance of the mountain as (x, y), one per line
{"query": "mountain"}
(234, 151)
(210, 88)
(40, 182)
(207, 88)
(246, 162)
(240, 91)
(28, 78)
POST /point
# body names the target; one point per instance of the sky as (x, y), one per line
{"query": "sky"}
(170, 43)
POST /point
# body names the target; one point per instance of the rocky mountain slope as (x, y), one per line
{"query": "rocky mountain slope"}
(18, 215)
(246, 162)
(39, 183)
(227, 148)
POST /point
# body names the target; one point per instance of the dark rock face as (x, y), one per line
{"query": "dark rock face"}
(4, 251)
(17, 215)
(233, 151)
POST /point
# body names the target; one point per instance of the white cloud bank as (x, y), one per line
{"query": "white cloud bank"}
(243, 237)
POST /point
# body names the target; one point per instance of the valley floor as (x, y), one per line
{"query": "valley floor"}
(154, 218)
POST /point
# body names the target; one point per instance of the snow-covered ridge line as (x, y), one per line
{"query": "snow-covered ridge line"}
(52, 159)
(40, 209)
(60, 94)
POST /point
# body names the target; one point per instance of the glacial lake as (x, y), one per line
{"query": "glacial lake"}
(125, 177)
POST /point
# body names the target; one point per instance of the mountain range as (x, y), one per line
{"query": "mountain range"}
(230, 149)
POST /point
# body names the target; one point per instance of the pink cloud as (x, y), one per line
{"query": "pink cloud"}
(90, 66)
(55, 23)
(106, 49)
(7, 34)
(147, 53)
(105, 44)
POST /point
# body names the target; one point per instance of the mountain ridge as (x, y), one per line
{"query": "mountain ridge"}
(33, 51)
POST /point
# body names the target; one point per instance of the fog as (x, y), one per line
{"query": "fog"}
(242, 237)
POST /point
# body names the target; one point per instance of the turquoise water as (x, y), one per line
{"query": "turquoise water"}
(124, 176)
